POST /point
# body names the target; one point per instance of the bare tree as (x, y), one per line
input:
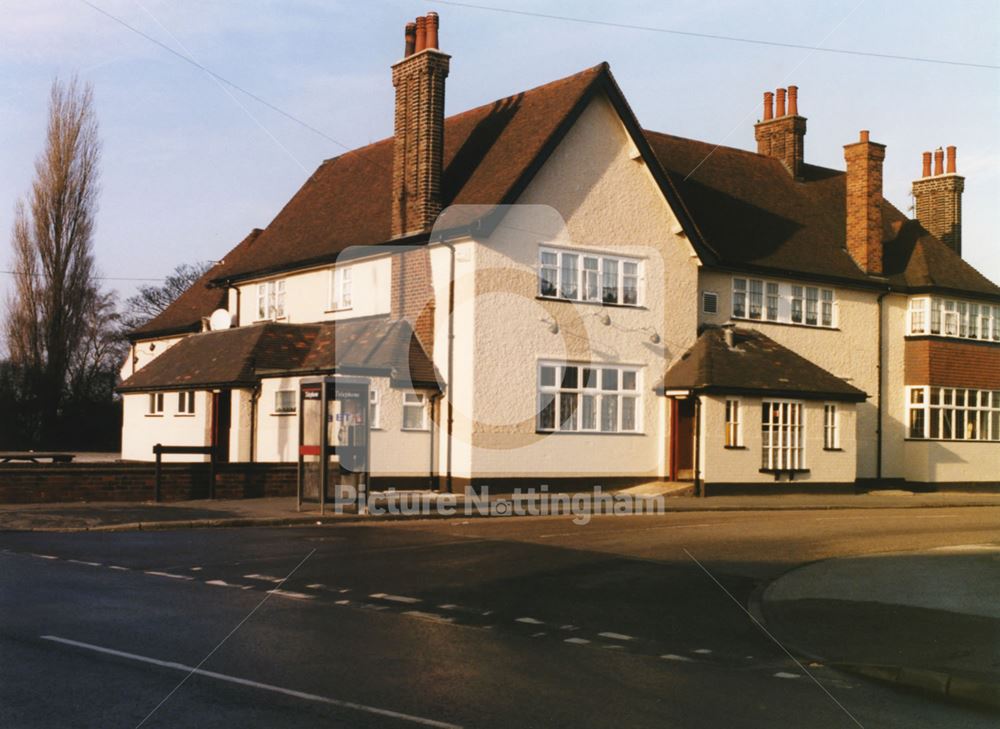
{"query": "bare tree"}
(152, 300)
(55, 286)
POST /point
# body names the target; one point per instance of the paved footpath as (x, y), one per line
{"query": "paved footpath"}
(118, 516)
(928, 620)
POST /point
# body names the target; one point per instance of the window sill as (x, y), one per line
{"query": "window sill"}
(951, 440)
(560, 299)
(735, 448)
(779, 471)
(154, 415)
(183, 415)
(338, 310)
(414, 430)
(818, 327)
(628, 433)
(834, 450)
(283, 415)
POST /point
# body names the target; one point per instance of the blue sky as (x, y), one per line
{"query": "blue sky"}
(188, 170)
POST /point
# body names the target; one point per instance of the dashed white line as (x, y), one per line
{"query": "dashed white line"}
(342, 602)
(675, 657)
(538, 634)
(703, 651)
(256, 684)
(44, 556)
(577, 641)
(528, 621)
(395, 598)
(89, 564)
(119, 568)
(616, 636)
(783, 674)
(223, 583)
(428, 616)
(290, 594)
(264, 578)
(171, 575)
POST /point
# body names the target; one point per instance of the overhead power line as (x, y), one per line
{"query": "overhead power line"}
(99, 278)
(714, 36)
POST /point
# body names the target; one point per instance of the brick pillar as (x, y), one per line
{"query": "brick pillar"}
(938, 201)
(418, 147)
(864, 202)
(782, 136)
(413, 293)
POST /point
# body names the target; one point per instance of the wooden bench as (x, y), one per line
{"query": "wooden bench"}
(35, 456)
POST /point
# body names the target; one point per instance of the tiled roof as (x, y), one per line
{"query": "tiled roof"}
(240, 357)
(754, 365)
(741, 210)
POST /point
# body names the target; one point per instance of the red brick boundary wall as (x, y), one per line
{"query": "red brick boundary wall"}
(49, 483)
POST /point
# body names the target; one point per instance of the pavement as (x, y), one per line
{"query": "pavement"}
(926, 620)
(204, 513)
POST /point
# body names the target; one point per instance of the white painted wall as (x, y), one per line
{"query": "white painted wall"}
(951, 461)
(142, 431)
(726, 465)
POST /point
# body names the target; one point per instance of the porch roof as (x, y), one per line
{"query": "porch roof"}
(754, 365)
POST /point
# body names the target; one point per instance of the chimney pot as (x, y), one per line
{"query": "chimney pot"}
(768, 105)
(793, 100)
(951, 160)
(421, 40)
(432, 30)
(938, 162)
(864, 136)
(780, 110)
(411, 39)
(927, 165)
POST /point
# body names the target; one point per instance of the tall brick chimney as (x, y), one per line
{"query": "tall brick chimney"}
(864, 202)
(419, 129)
(781, 133)
(938, 199)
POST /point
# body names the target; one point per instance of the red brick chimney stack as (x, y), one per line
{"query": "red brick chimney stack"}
(781, 134)
(864, 202)
(418, 147)
(938, 198)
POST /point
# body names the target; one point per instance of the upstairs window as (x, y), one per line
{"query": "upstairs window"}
(414, 411)
(583, 276)
(271, 300)
(341, 283)
(762, 300)
(155, 403)
(952, 318)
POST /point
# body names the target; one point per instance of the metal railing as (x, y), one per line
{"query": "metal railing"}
(159, 449)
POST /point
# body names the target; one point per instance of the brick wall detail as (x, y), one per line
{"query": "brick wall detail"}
(947, 363)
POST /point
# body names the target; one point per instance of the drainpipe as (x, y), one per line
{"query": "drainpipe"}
(449, 481)
(254, 397)
(878, 424)
(699, 489)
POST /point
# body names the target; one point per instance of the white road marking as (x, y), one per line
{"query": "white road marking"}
(342, 602)
(448, 606)
(223, 583)
(195, 569)
(171, 575)
(119, 568)
(703, 651)
(316, 586)
(428, 616)
(529, 621)
(255, 684)
(577, 641)
(613, 647)
(264, 578)
(44, 556)
(782, 674)
(616, 636)
(675, 657)
(539, 635)
(292, 595)
(89, 564)
(395, 598)
(568, 627)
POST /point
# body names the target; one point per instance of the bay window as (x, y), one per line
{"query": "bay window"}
(951, 318)
(588, 398)
(953, 413)
(581, 276)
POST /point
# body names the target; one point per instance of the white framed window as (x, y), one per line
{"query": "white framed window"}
(585, 276)
(734, 426)
(271, 300)
(341, 288)
(952, 318)
(952, 413)
(155, 406)
(710, 302)
(782, 436)
(185, 403)
(763, 300)
(831, 427)
(374, 408)
(284, 402)
(595, 398)
(414, 411)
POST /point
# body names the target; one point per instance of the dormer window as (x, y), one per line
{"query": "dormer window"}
(271, 300)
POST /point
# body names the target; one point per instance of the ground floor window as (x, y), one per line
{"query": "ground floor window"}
(831, 427)
(155, 403)
(589, 398)
(953, 413)
(284, 402)
(781, 433)
(414, 411)
(185, 403)
(734, 436)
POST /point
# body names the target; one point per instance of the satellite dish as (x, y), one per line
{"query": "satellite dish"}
(220, 320)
